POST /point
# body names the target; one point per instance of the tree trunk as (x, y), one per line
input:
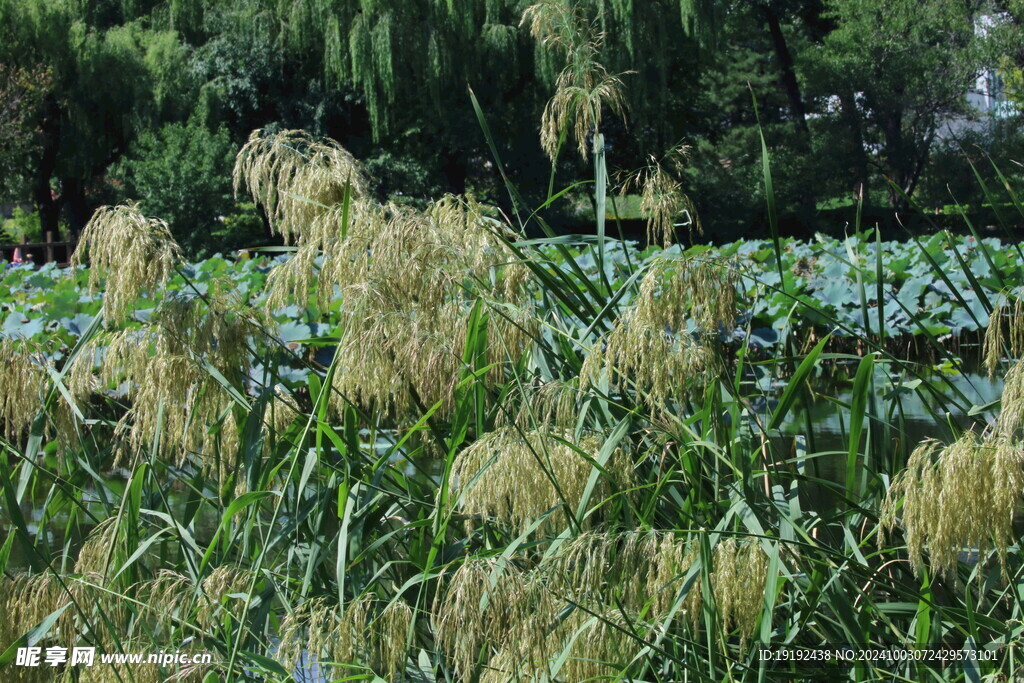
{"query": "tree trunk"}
(46, 203)
(785, 59)
(899, 159)
(851, 117)
(74, 204)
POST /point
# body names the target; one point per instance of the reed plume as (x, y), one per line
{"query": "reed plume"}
(1005, 332)
(482, 601)
(739, 579)
(584, 88)
(128, 254)
(350, 637)
(163, 368)
(296, 177)
(662, 199)
(957, 497)
(516, 477)
(21, 381)
(675, 296)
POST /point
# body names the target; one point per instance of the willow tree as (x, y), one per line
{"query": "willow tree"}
(409, 64)
(111, 76)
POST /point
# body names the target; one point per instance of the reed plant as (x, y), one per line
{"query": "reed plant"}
(507, 469)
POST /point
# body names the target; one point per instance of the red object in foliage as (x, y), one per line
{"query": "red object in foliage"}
(17, 256)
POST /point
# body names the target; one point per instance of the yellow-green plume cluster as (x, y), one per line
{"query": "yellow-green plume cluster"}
(738, 582)
(652, 343)
(642, 571)
(221, 590)
(517, 476)
(21, 380)
(406, 279)
(481, 603)
(956, 498)
(162, 366)
(131, 252)
(347, 636)
(90, 614)
(1005, 333)
(99, 552)
(584, 611)
(544, 403)
(1011, 414)
(295, 177)
(143, 619)
(584, 87)
(662, 200)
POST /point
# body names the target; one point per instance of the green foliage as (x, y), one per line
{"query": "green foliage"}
(22, 225)
(182, 172)
(908, 82)
(442, 451)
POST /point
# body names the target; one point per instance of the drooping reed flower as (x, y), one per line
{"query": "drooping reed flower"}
(163, 368)
(349, 636)
(642, 571)
(389, 634)
(956, 497)
(562, 30)
(662, 200)
(585, 610)
(1005, 326)
(584, 87)
(296, 177)
(652, 343)
(482, 601)
(144, 672)
(516, 477)
(131, 252)
(221, 589)
(22, 376)
(98, 552)
(169, 599)
(88, 611)
(738, 582)
(25, 600)
(406, 278)
(1011, 414)
(544, 403)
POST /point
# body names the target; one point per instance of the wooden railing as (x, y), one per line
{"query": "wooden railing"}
(39, 253)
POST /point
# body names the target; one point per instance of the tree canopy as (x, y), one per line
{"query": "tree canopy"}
(851, 93)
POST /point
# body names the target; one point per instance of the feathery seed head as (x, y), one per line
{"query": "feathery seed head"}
(221, 588)
(132, 252)
(584, 87)
(21, 381)
(1011, 414)
(741, 572)
(482, 601)
(642, 571)
(389, 634)
(407, 279)
(662, 199)
(957, 497)
(512, 476)
(1005, 327)
(672, 293)
(100, 549)
(296, 177)
(350, 636)
(162, 368)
